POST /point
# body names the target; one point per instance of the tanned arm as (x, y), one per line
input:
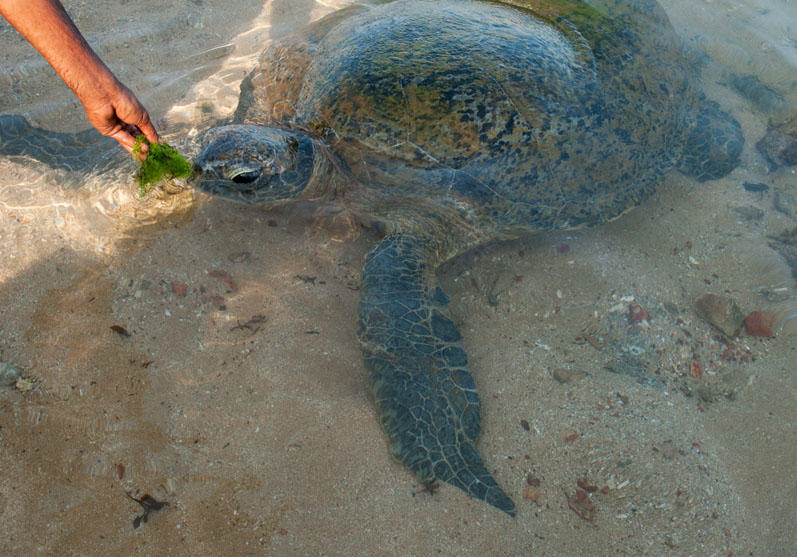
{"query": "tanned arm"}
(110, 106)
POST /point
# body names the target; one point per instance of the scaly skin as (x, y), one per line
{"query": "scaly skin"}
(425, 394)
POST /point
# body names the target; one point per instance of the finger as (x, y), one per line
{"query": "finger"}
(127, 142)
(135, 133)
(149, 131)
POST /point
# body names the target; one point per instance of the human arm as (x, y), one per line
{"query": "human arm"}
(110, 106)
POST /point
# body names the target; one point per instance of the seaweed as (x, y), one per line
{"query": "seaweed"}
(163, 162)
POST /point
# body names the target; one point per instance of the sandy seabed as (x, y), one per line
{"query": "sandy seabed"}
(210, 361)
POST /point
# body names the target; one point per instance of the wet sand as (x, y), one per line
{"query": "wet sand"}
(211, 361)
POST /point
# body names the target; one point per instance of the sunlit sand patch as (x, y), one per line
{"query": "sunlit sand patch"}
(217, 96)
(102, 215)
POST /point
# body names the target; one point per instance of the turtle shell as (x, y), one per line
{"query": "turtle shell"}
(509, 115)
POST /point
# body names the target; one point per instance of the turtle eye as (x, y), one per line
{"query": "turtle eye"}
(246, 177)
(244, 172)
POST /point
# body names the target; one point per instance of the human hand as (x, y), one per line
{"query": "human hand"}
(117, 113)
(109, 105)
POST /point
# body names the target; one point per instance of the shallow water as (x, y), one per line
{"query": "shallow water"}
(244, 403)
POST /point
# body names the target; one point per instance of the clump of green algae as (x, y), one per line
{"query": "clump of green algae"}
(163, 162)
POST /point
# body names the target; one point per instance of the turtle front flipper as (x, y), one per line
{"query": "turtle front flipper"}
(85, 152)
(426, 397)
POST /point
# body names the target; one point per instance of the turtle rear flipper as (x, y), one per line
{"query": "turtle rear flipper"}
(85, 152)
(425, 395)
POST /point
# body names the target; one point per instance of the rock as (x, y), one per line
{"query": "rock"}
(785, 200)
(636, 313)
(667, 449)
(762, 97)
(565, 375)
(179, 288)
(707, 394)
(786, 245)
(224, 277)
(720, 311)
(756, 187)
(8, 374)
(580, 503)
(239, 257)
(531, 492)
(760, 323)
(749, 213)
(779, 145)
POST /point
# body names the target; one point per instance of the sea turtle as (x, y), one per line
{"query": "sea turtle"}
(456, 122)
(453, 123)
(450, 123)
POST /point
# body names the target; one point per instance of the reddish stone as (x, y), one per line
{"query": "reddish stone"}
(636, 313)
(760, 323)
(581, 504)
(531, 492)
(224, 277)
(179, 288)
(696, 369)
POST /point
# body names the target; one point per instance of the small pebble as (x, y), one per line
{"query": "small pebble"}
(564, 375)
(121, 331)
(636, 313)
(569, 438)
(8, 374)
(580, 503)
(755, 186)
(179, 288)
(706, 394)
(749, 213)
(720, 311)
(25, 385)
(667, 449)
(531, 492)
(224, 277)
(239, 257)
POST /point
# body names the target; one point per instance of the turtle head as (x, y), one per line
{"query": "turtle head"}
(713, 143)
(254, 164)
